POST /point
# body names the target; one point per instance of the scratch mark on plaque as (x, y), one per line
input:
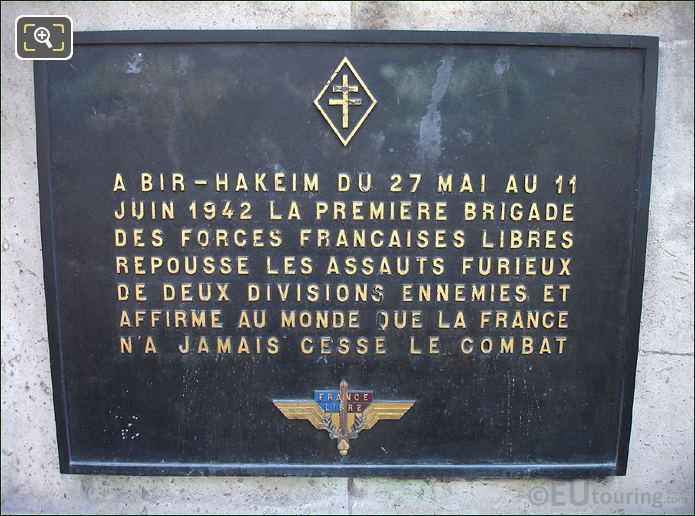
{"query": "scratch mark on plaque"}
(172, 133)
(126, 426)
(134, 64)
(535, 397)
(431, 124)
(183, 64)
(378, 140)
(507, 443)
(502, 64)
(139, 153)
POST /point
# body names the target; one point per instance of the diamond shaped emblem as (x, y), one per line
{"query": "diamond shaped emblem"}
(345, 101)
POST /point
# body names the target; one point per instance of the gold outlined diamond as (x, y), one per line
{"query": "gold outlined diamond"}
(317, 100)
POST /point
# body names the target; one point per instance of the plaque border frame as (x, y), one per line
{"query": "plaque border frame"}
(648, 45)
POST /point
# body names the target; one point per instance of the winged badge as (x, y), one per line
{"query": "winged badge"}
(343, 413)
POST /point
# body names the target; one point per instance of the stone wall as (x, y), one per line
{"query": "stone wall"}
(660, 471)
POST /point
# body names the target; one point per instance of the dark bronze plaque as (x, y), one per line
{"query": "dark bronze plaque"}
(345, 253)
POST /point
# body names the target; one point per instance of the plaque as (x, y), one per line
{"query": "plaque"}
(345, 253)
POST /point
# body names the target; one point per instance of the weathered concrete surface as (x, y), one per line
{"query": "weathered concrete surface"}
(660, 471)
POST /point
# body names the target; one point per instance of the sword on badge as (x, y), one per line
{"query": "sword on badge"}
(342, 434)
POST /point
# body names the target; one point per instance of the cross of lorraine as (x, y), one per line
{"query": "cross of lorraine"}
(345, 101)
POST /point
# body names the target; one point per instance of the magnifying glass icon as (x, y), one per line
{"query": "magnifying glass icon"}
(43, 35)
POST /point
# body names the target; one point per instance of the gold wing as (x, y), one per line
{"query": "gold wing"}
(385, 410)
(308, 410)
